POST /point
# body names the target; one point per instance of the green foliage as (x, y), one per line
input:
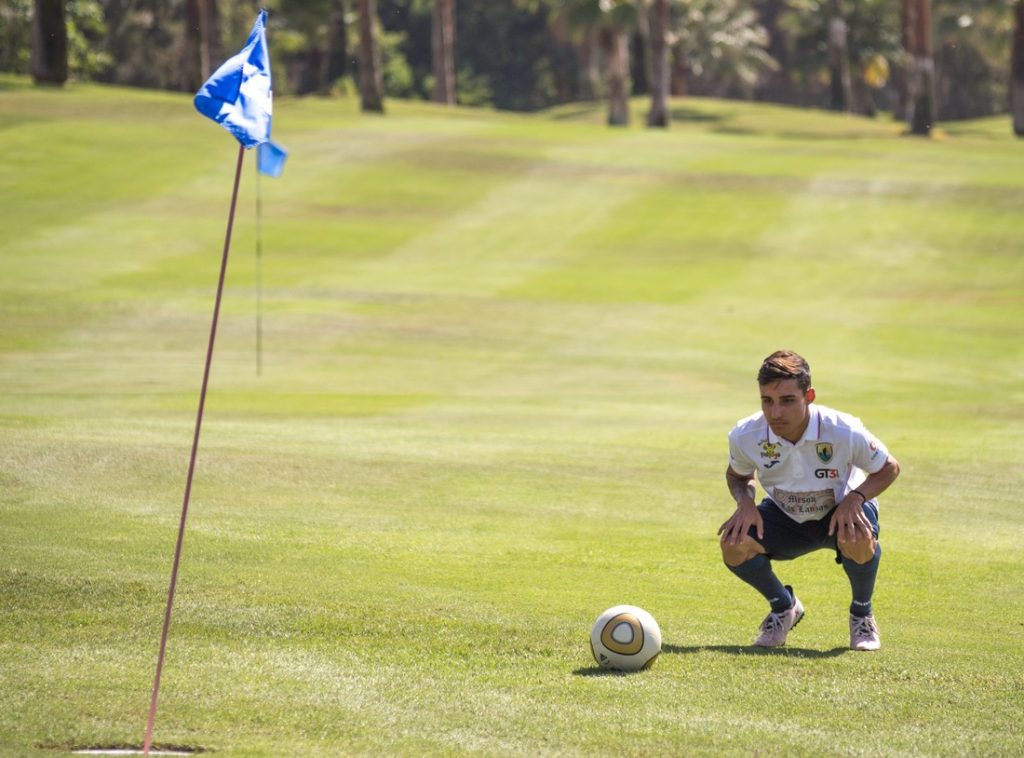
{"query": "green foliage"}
(970, 44)
(724, 46)
(86, 36)
(504, 49)
(15, 35)
(522, 55)
(299, 39)
(508, 49)
(873, 29)
(473, 89)
(142, 38)
(398, 75)
(407, 25)
(972, 53)
(237, 17)
(290, 43)
(588, 15)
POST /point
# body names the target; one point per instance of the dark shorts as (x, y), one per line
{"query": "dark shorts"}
(786, 539)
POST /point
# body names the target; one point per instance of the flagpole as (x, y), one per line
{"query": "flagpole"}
(259, 275)
(192, 459)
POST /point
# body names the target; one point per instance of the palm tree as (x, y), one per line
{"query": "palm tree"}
(611, 20)
(443, 51)
(660, 69)
(49, 42)
(615, 48)
(1017, 70)
(720, 46)
(371, 77)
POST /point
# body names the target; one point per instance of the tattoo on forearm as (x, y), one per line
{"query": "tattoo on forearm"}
(739, 487)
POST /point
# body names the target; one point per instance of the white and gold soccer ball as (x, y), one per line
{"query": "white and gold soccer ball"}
(625, 638)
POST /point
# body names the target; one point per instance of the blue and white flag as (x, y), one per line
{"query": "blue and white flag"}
(238, 96)
(270, 158)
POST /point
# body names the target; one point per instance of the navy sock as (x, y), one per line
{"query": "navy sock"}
(757, 572)
(862, 582)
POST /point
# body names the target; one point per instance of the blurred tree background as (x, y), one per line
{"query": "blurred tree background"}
(526, 55)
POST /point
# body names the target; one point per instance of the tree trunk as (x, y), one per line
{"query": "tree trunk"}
(615, 45)
(443, 51)
(1017, 71)
(371, 77)
(922, 81)
(840, 95)
(334, 62)
(200, 47)
(49, 61)
(645, 69)
(660, 71)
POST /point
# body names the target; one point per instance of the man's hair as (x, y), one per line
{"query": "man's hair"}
(785, 364)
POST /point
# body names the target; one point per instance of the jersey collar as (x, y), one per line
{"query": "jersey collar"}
(811, 433)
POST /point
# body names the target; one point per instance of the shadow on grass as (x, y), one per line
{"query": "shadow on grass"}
(577, 111)
(683, 113)
(598, 671)
(123, 749)
(783, 652)
(788, 652)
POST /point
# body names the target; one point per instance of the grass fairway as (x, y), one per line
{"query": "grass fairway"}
(502, 355)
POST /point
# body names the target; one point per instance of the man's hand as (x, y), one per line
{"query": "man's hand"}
(849, 516)
(736, 527)
(850, 520)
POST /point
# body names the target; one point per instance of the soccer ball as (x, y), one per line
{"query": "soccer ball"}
(625, 638)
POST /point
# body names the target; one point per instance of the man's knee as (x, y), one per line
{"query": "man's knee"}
(861, 551)
(734, 555)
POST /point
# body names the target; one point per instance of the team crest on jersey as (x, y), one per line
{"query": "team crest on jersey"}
(824, 451)
(770, 450)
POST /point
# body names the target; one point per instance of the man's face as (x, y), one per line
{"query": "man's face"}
(785, 407)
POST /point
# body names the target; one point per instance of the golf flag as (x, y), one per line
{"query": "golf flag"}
(270, 158)
(238, 96)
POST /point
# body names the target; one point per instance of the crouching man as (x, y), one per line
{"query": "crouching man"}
(822, 472)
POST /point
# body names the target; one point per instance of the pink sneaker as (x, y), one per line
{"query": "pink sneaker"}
(864, 633)
(776, 626)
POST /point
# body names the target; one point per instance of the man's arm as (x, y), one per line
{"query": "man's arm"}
(879, 482)
(740, 487)
(736, 527)
(849, 515)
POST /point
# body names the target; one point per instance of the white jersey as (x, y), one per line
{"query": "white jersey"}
(809, 478)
